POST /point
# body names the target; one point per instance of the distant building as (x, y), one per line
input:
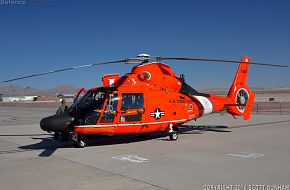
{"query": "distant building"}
(16, 98)
(65, 96)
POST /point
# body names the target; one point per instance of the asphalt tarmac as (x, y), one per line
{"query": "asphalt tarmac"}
(214, 150)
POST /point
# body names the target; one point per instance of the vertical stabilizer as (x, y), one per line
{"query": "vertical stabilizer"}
(240, 93)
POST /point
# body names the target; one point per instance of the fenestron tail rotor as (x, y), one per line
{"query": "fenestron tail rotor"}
(140, 59)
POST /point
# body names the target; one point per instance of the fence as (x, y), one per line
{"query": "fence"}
(275, 108)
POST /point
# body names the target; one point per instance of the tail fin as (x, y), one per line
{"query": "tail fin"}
(240, 93)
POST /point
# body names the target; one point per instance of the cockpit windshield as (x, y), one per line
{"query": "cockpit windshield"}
(92, 100)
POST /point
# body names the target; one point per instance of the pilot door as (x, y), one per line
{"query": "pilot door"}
(110, 111)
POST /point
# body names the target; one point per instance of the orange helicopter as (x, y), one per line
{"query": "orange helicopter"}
(150, 98)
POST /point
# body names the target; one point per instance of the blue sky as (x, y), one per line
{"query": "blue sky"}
(41, 37)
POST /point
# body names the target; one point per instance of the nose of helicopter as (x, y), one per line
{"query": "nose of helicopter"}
(56, 123)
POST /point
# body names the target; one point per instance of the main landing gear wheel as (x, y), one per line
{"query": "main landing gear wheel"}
(172, 132)
(173, 136)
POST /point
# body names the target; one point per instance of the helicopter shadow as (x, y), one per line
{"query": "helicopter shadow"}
(161, 135)
(200, 129)
(49, 145)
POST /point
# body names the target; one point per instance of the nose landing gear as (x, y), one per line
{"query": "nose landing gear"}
(78, 142)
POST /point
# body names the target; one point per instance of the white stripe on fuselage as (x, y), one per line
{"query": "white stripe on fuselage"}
(134, 124)
(206, 104)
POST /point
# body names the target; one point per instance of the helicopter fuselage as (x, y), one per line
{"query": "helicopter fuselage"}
(150, 98)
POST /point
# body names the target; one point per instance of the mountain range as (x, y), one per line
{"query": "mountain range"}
(14, 89)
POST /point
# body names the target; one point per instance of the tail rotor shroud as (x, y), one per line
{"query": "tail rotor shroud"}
(242, 98)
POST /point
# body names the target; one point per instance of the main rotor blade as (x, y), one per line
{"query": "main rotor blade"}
(65, 69)
(217, 60)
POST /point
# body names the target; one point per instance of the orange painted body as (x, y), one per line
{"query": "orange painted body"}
(166, 100)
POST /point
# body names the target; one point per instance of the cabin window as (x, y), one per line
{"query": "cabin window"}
(132, 101)
(132, 107)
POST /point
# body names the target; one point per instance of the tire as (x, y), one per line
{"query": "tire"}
(173, 136)
(79, 144)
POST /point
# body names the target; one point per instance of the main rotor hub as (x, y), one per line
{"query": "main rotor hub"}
(143, 55)
(140, 59)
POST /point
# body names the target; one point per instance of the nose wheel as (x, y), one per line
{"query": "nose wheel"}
(78, 142)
